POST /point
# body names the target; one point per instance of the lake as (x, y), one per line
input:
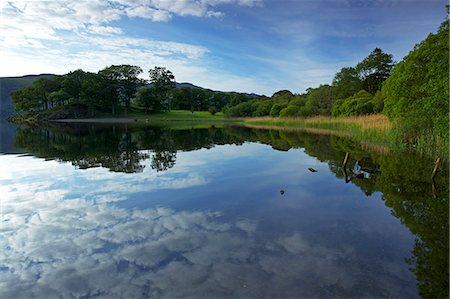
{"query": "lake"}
(121, 211)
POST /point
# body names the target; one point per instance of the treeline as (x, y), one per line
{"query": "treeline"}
(119, 87)
(413, 93)
(354, 91)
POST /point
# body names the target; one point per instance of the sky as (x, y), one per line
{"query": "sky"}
(256, 46)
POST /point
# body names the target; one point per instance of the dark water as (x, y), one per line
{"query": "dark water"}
(122, 212)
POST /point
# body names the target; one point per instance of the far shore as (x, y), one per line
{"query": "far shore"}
(100, 120)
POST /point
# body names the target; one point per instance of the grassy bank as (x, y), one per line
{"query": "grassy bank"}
(371, 130)
(75, 114)
(375, 132)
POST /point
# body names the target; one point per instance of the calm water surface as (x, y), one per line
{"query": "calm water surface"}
(121, 212)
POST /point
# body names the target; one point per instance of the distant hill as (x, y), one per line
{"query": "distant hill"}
(10, 84)
(186, 84)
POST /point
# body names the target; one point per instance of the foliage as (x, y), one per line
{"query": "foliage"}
(276, 108)
(378, 102)
(320, 100)
(289, 111)
(147, 98)
(212, 110)
(244, 109)
(358, 104)
(347, 82)
(124, 80)
(36, 96)
(417, 92)
(263, 108)
(163, 82)
(374, 69)
(282, 95)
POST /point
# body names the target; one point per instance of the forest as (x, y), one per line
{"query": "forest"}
(413, 93)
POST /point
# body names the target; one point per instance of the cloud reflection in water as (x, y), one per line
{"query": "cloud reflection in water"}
(86, 246)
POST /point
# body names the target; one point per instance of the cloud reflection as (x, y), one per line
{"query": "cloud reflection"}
(56, 243)
(54, 247)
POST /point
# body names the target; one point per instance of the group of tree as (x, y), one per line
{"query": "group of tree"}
(413, 93)
(118, 87)
(109, 89)
(354, 91)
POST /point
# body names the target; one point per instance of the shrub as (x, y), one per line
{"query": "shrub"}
(276, 108)
(289, 111)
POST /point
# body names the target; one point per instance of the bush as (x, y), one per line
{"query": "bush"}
(276, 108)
(358, 104)
(212, 110)
(263, 108)
(289, 111)
(417, 92)
(244, 109)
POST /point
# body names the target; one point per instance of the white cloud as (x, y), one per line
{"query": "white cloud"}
(148, 13)
(104, 30)
(61, 36)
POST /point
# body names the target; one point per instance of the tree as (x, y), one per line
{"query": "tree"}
(263, 108)
(163, 82)
(417, 92)
(71, 85)
(36, 96)
(283, 95)
(147, 98)
(289, 111)
(25, 99)
(244, 109)
(374, 69)
(124, 81)
(359, 104)
(276, 108)
(347, 82)
(95, 92)
(320, 100)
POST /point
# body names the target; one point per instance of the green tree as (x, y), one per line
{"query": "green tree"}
(36, 96)
(146, 98)
(347, 82)
(374, 69)
(417, 92)
(124, 80)
(276, 108)
(320, 100)
(163, 83)
(71, 85)
(282, 95)
(244, 109)
(25, 99)
(263, 108)
(289, 111)
(359, 104)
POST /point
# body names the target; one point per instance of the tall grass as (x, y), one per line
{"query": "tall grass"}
(373, 131)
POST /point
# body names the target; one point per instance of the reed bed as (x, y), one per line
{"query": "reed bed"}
(372, 131)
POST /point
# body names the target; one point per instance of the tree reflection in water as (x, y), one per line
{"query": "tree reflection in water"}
(403, 179)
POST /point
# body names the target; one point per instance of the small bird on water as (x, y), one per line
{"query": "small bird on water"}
(312, 169)
(281, 191)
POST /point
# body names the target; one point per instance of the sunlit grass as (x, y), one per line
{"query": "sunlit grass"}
(372, 131)
(365, 122)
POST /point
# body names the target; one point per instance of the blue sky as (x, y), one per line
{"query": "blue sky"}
(243, 45)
